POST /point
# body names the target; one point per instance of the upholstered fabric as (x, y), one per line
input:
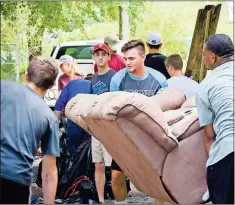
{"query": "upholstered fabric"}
(156, 140)
(169, 99)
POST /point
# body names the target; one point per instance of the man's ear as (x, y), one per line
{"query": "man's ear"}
(213, 57)
(143, 56)
(109, 56)
(171, 67)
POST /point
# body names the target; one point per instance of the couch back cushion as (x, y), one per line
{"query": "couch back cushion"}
(169, 99)
(139, 109)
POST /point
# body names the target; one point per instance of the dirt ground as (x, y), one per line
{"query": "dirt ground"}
(134, 196)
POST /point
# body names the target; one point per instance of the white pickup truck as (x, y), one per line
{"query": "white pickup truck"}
(79, 50)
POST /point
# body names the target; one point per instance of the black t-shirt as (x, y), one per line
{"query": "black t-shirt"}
(156, 61)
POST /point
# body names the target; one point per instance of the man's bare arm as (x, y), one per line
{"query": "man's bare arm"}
(49, 178)
(209, 136)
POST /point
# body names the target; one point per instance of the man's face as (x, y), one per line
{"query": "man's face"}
(101, 58)
(134, 59)
(209, 58)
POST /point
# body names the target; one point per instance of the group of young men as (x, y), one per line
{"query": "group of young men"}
(22, 117)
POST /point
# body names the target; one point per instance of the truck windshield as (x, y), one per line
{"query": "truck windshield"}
(77, 52)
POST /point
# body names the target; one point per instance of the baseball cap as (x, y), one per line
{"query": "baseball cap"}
(154, 39)
(65, 59)
(102, 46)
(112, 41)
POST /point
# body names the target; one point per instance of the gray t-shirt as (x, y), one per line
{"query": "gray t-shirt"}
(215, 106)
(25, 120)
(101, 83)
(147, 85)
(188, 86)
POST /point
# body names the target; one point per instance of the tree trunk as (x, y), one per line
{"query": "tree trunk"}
(206, 24)
(123, 23)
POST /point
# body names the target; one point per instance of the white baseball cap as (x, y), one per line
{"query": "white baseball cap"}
(154, 39)
(66, 59)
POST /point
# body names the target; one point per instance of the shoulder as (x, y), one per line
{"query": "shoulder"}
(111, 72)
(77, 75)
(94, 75)
(193, 81)
(11, 85)
(170, 80)
(157, 75)
(148, 56)
(162, 56)
(118, 76)
(79, 81)
(204, 84)
(62, 77)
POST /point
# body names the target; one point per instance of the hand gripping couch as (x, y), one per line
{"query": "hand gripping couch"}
(156, 140)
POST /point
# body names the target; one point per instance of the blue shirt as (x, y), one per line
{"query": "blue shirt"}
(147, 85)
(25, 120)
(101, 83)
(215, 106)
(73, 88)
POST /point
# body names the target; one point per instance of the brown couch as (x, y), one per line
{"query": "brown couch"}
(156, 141)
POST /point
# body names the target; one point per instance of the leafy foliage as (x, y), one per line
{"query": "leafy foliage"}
(31, 24)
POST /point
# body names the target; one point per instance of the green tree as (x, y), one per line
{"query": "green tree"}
(51, 16)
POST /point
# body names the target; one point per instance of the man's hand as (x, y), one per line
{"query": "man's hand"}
(49, 178)
(209, 136)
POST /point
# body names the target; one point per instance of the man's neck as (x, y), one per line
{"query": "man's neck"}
(221, 61)
(154, 50)
(139, 73)
(36, 89)
(178, 73)
(103, 70)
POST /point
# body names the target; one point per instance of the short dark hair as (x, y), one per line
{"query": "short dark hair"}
(154, 46)
(220, 44)
(134, 44)
(89, 76)
(175, 60)
(42, 72)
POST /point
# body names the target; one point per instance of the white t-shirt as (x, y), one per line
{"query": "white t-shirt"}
(188, 86)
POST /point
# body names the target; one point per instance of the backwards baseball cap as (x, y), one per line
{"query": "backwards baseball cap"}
(112, 41)
(154, 39)
(65, 59)
(102, 46)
